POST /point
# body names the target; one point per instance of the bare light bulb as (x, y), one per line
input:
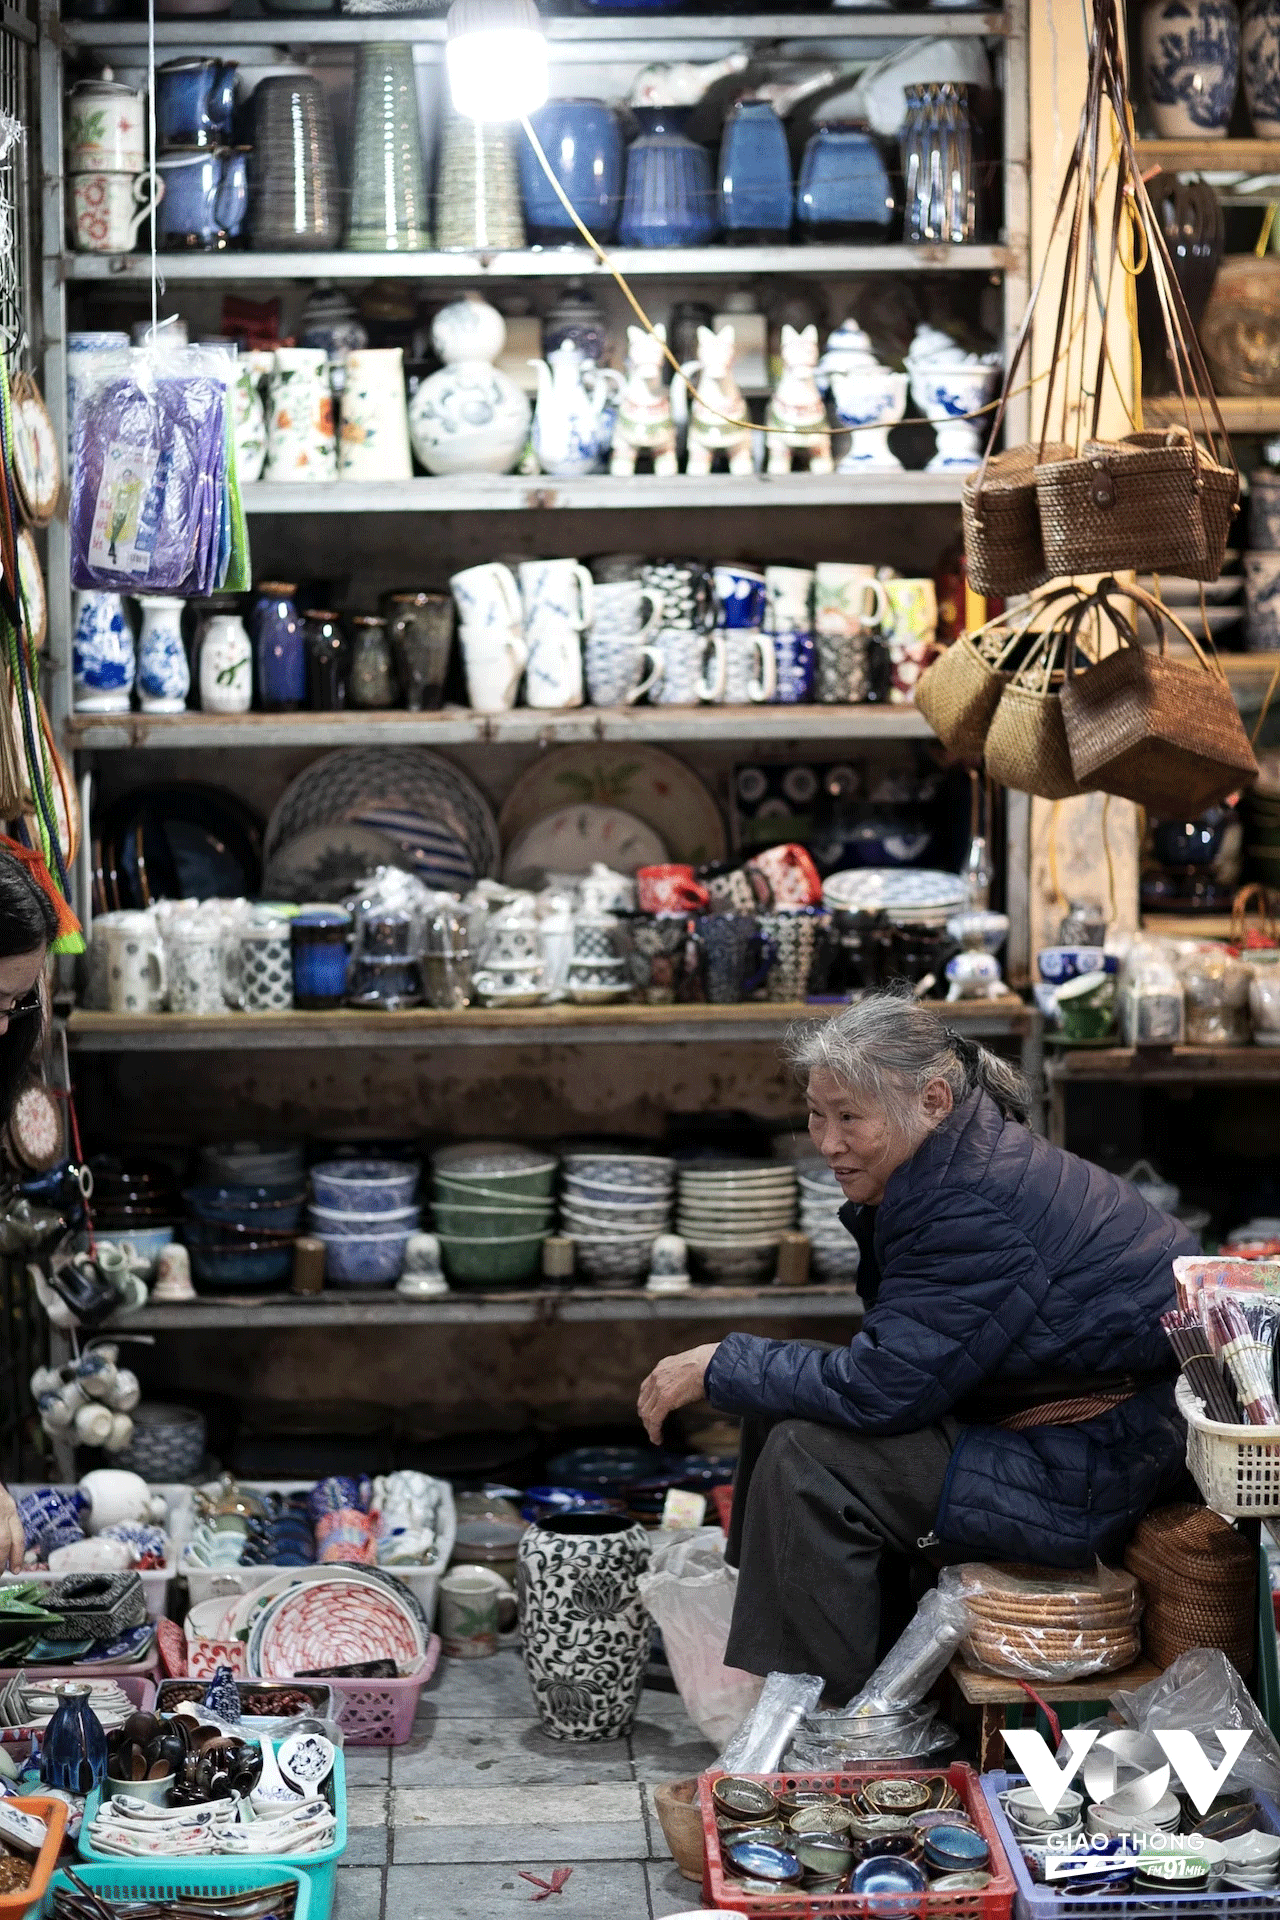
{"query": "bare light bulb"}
(496, 59)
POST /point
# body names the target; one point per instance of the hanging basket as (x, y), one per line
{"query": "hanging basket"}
(1142, 503)
(1004, 550)
(959, 693)
(1026, 741)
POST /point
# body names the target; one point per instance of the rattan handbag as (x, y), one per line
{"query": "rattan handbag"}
(1004, 548)
(1026, 741)
(1163, 732)
(960, 692)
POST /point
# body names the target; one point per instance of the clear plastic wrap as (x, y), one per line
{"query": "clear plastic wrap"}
(689, 1591)
(1215, 987)
(770, 1727)
(1034, 1623)
(1200, 1693)
(837, 1741)
(921, 1652)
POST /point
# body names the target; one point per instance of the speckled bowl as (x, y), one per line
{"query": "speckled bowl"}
(364, 1186)
(364, 1260)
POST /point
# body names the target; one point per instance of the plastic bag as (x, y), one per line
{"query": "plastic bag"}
(768, 1730)
(689, 1591)
(837, 1741)
(1199, 1693)
(920, 1653)
(1038, 1624)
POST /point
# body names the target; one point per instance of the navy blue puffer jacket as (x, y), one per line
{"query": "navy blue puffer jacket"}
(996, 1257)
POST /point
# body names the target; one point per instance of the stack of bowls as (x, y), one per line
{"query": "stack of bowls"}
(1251, 1860)
(493, 1210)
(136, 1201)
(732, 1214)
(249, 1163)
(241, 1235)
(364, 1211)
(833, 1251)
(613, 1208)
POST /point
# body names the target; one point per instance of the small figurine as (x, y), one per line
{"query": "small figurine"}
(796, 407)
(718, 420)
(644, 423)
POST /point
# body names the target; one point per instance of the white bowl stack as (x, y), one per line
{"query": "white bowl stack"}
(613, 1207)
(833, 1251)
(732, 1213)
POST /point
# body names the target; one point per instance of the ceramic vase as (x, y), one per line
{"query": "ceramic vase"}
(470, 417)
(164, 677)
(282, 662)
(389, 209)
(371, 680)
(1260, 65)
(584, 1631)
(583, 146)
(1190, 65)
(373, 440)
(102, 659)
(73, 1752)
(328, 662)
(671, 198)
(755, 174)
(420, 627)
(249, 421)
(478, 190)
(295, 196)
(226, 665)
(844, 191)
(301, 441)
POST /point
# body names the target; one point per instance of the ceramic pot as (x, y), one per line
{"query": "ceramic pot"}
(1190, 65)
(106, 127)
(584, 1631)
(420, 627)
(845, 191)
(226, 665)
(205, 197)
(328, 662)
(469, 418)
(318, 940)
(107, 209)
(301, 442)
(277, 633)
(584, 151)
(371, 680)
(136, 981)
(164, 676)
(1260, 65)
(295, 172)
(73, 1751)
(195, 103)
(478, 189)
(755, 174)
(389, 208)
(373, 440)
(249, 419)
(671, 198)
(102, 654)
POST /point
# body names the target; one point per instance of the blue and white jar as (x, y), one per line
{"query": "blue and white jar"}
(102, 662)
(164, 675)
(1260, 65)
(1190, 66)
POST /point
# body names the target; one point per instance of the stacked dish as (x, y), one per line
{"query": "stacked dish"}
(732, 1214)
(1251, 1860)
(248, 1163)
(833, 1251)
(613, 1208)
(242, 1235)
(493, 1210)
(364, 1211)
(136, 1201)
(1035, 1623)
(907, 896)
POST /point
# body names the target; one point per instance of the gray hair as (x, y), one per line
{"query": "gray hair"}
(890, 1047)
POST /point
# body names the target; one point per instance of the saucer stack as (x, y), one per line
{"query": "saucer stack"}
(833, 1251)
(1251, 1860)
(732, 1214)
(614, 1206)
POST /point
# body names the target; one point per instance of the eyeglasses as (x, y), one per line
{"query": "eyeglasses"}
(29, 1003)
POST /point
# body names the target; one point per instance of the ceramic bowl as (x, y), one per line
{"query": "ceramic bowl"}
(730, 1263)
(219, 1204)
(248, 1264)
(346, 1226)
(494, 1164)
(1057, 964)
(608, 1193)
(364, 1186)
(366, 1259)
(575, 1223)
(494, 1222)
(620, 1169)
(613, 1260)
(505, 1260)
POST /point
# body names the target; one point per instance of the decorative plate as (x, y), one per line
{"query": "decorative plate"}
(336, 1624)
(650, 783)
(439, 856)
(37, 470)
(325, 863)
(877, 889)
(34, 1135)
(346, 784)
(572, 839)
(31, 579)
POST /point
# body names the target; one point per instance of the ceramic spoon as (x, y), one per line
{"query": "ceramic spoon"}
(272, 1794)
(305, 1760)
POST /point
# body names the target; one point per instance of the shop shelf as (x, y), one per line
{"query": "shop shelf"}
(149, 1880)
(600, 493)
(1240, 414)
(1210, 156)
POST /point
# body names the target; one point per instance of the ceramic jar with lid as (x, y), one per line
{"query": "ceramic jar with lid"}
(106, 127)
(470, 417)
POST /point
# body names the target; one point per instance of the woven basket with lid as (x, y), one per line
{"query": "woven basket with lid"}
(1200, 1580)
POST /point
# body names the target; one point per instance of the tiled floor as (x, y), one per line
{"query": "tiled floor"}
(441, 1828)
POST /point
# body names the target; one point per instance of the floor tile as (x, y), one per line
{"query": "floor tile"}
(500, 1753)
(495, 1688)
(359, 1895)
(606, 1840)
(594, 1888)
(367, 1766)
(667, 1751)
(669, 1891)
(367, 1807)
(513, 1806)
(367, 1847)
(658, 1848)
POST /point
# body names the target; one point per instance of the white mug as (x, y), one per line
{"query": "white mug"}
(373, 441)
(788, 597)
(553, 592)
(744, 649)
(553, 677)
(472, 1603)
(494, 659)
(135, 969)
(197, 968)
(618, 608)
(266, 968)
(108, 208)
(687, 677)
(487, 596)
(847, 599)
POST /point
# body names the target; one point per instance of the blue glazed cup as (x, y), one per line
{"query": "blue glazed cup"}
(796, 656)
(195, 103)
(205, 197)
(318, 940)
(739, 597)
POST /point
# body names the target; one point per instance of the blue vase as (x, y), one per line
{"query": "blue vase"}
(671, 199)
(281, 649)
(845, 191)
(584, 150)
(73, 1755)
(755, 174)
(102, 654)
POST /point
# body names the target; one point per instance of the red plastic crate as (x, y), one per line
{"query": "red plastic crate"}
(993, 1902)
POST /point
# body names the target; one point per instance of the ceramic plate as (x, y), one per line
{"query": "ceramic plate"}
(437, 854)
(37, 470)
(346, 784)
(33, 593)
(871, 889)
(651, 784)
(572, 839)
(325, 863)
(337, 1623)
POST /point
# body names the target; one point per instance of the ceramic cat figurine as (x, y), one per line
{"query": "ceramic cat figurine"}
(716, 406)
(644, 423)
(796, 407)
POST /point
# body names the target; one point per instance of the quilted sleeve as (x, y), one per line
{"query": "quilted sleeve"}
(958, 1289)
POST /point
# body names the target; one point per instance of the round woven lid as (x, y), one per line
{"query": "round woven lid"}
(1191, 1541)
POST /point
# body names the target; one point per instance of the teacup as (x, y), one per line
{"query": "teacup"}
(847, 599)
(615, 667)
(750, 668)
(792, 878)
(555, 593)
(108, 208)
(487, 596)
(688, 676)
(670, 889)
(740, 596)
(494, 657)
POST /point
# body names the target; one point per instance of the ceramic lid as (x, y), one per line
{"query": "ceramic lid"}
(105, 82)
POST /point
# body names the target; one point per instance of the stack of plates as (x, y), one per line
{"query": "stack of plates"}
(833, 1251)
(732, 1213)
(1251, 1860)
(310, 1617)
(908, 896)
(613, 1208)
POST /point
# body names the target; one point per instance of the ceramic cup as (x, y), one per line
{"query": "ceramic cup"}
(739, 596)
(794, 934)
(477, 1612)
(135, 962)
(624, 609)
(795, 658)
(737, 955)
(910, 610)
(847, 599)
(266, 968)
(688, 676)
(792, 878)
(750, 667)
(196, 964)
(843, 675)
(616, 665)
(108, 208)
(688, 593)
(420, 628)
(659, 947)
(788, 599)
(494, 659)
(206, 194)
(553, 673)
(555, 593)
(487, 596)
(671, 888)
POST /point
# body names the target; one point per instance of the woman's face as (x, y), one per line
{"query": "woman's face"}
(19, 974)
(854, 1136)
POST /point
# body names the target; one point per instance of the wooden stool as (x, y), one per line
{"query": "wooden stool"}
(994, 1697)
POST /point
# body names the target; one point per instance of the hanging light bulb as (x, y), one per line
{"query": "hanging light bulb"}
(496, 58)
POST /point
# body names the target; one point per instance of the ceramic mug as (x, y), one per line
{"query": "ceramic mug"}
(624, 609)
(788, 599)
(494, 660)
(791, 875)
(616, 669)
(474, 1602)
(135, 967)
(108, 208)
(106, 128)
(750, 668)
(301, 441)
(687, 676)
(555, 593)
(373, 439)
(199, 975)
(266, 968)
(553, 674)
(794, 932)
(843, 675)
(206, 196)
(739, 596)
(671, 888)
(847, 599)
(910, 610)
(487, 596)
(795, 657)
(737, 955)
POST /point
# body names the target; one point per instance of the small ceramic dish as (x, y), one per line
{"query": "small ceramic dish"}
(955, 1849)
(884, 1874)
(743, 1800)
(772, 1864)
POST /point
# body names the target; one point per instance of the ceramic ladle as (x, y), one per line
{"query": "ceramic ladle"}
(272, 1794)
(305, 1760)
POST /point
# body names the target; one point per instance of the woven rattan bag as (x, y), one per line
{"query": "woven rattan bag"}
(1165, 733)
(1003, 545)
(1026, 741)
(960, 692)
(1134, 504)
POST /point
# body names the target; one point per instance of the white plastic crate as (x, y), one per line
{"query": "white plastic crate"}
(155, 1582)
(1237, 1469)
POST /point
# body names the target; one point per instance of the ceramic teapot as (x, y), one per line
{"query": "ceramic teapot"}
(573, 422)
(106, 127)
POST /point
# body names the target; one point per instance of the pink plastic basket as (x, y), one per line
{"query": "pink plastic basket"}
(141, 1690)
(380, 1713)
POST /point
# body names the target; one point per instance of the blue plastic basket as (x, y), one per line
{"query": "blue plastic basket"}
(319, 1870)
(1033, 1902)
(146, 1880)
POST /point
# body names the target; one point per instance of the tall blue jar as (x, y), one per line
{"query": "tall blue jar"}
(281, 648)
(671, 198)
(584, 150)
(73, 1754)
(845, 190)
(755, 174)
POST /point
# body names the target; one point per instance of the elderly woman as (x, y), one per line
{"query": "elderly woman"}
(1010, 1395)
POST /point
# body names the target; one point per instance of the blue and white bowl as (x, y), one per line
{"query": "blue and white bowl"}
(366, 1259)
(1057, 964)
(330, 1224)
(364, 1186)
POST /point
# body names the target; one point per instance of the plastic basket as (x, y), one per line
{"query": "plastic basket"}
(145, 1880)
(54, 1815)
(380, 1713)
(155, 1582)
(140, 1689)
(1044, 1903)
(320, 1870)
(993, 1902)
(1237, 1469)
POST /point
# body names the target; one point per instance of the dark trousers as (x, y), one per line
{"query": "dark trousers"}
(815, 1511)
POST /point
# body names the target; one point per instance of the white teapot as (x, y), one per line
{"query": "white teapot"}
(573, 424)
(115, 1495)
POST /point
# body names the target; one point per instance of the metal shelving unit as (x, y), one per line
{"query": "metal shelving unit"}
(601, 493)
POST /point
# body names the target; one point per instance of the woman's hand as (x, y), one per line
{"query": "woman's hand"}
(13, 1543)
(674, 1382)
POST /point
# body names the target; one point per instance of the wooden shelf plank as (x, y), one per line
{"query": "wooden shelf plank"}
(1210, 156)
(1254, 413)
(599, 493)
(989, 1689)
(1170, 1066)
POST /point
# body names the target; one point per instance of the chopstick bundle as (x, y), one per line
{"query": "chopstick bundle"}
(1203, 1368)
(1247, 1354)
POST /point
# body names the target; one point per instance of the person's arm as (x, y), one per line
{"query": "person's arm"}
(13, 1542)
(677, 1381)
(956, 1293)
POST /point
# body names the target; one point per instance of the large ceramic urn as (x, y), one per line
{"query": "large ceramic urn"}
(584, 1630)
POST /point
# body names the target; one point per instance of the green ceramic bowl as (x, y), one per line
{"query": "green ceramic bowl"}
(1087, 1006)
(493, 1222)
(535, 1179)
(505, 1260)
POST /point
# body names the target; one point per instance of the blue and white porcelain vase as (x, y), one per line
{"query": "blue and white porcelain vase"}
(164, 676)
(73, 1753)
(1190, 66)
(583, 1629)
(1260, 65)
(102, 662)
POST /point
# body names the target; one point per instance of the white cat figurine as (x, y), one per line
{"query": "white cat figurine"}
(644, 423)
(796, 412)
(718, 420)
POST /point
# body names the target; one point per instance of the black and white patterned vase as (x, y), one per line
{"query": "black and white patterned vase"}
(583, 1628)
